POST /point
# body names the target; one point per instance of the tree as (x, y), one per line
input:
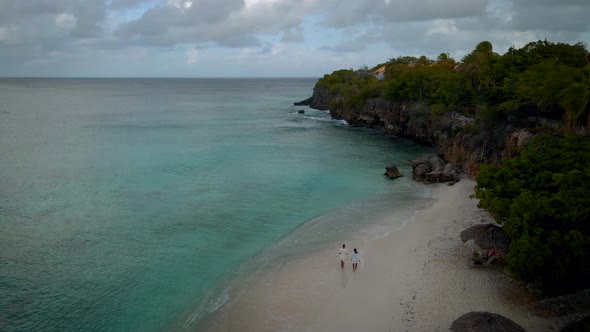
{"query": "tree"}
(569, 55)
(423, 61)
(540, 85)
(484, 47)
(474, 61)
(575, 99)
(403, 60)
(445, 59)
(541, 197)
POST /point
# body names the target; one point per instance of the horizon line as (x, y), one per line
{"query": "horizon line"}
(159, 77)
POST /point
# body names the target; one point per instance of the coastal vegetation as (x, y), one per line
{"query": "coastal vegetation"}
(519, 122)
(550, 80)
(541, 197)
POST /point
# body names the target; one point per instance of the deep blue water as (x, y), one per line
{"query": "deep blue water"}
(127, 204)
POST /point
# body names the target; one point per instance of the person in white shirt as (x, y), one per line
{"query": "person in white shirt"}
(355, 260)
(342, 253)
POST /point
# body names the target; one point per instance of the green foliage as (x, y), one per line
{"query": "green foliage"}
(484, 47)
(429, 84)
(403, 60)
(574, 98)
(538, 85)
(545, 79)
(486, 117)
(355, 87)
(541, 197)
(569, 55)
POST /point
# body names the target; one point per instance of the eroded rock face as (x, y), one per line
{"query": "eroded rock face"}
(516, 141)
(304, 102)
(392, 172)
(456, 137)
(411, 121)
(433, 169)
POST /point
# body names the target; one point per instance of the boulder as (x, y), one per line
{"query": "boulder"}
(417, 162)
(450, 173)
(301, 111)
(433, 169)
(436, 164)
(419, 171)
(432, 177)
(392, 172)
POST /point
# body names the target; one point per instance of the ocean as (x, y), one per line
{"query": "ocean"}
(137, 204)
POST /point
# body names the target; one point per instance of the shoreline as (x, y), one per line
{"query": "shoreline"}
(413, 278)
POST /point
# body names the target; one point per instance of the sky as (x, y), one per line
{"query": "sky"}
(264, 38)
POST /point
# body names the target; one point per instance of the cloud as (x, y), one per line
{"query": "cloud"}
(56, 36)
(350, 12)
(65, 21)
(293, 35)
(552, 16)
(33, 22)
(126, 4)
(232, 23)
(191, 56)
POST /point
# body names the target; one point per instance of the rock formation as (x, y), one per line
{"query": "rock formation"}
(392, 172)
(455, 136)
(433, 169)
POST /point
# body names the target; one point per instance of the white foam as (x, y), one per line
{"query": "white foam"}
(210, 307)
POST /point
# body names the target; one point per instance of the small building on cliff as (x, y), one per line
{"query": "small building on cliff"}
(379, 73)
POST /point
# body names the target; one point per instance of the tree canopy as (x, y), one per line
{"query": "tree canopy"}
(544, 79)
(541, 197)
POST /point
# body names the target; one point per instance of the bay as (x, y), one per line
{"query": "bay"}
(128, 204)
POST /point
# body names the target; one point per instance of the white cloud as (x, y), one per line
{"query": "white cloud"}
(252, 3)
(65, 20)
(182, 4)
(192, 56)
(305, 36)
(442, 27)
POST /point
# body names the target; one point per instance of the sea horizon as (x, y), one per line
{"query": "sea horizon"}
(162, 77)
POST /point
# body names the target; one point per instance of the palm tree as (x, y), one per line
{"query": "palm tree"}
(423, 61)
(575, 99)
(446, 60)
(484, 47)
(475, 60)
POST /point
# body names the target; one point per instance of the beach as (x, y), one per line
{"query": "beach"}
(415, 278)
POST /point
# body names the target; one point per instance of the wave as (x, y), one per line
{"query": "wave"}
(208, 308)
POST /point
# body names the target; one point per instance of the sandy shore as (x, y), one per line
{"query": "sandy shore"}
(416, 278)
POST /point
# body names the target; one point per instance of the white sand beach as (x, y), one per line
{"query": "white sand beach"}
(417, 278)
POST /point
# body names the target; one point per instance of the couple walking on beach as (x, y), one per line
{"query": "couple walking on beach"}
(343, 253)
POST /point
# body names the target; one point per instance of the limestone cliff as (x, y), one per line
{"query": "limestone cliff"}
(457, 138)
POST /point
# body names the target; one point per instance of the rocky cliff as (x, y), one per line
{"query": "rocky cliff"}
(458, 139)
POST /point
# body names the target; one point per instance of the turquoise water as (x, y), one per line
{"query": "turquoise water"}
(127, 204)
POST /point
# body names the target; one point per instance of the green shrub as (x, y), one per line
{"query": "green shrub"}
(541, 197)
